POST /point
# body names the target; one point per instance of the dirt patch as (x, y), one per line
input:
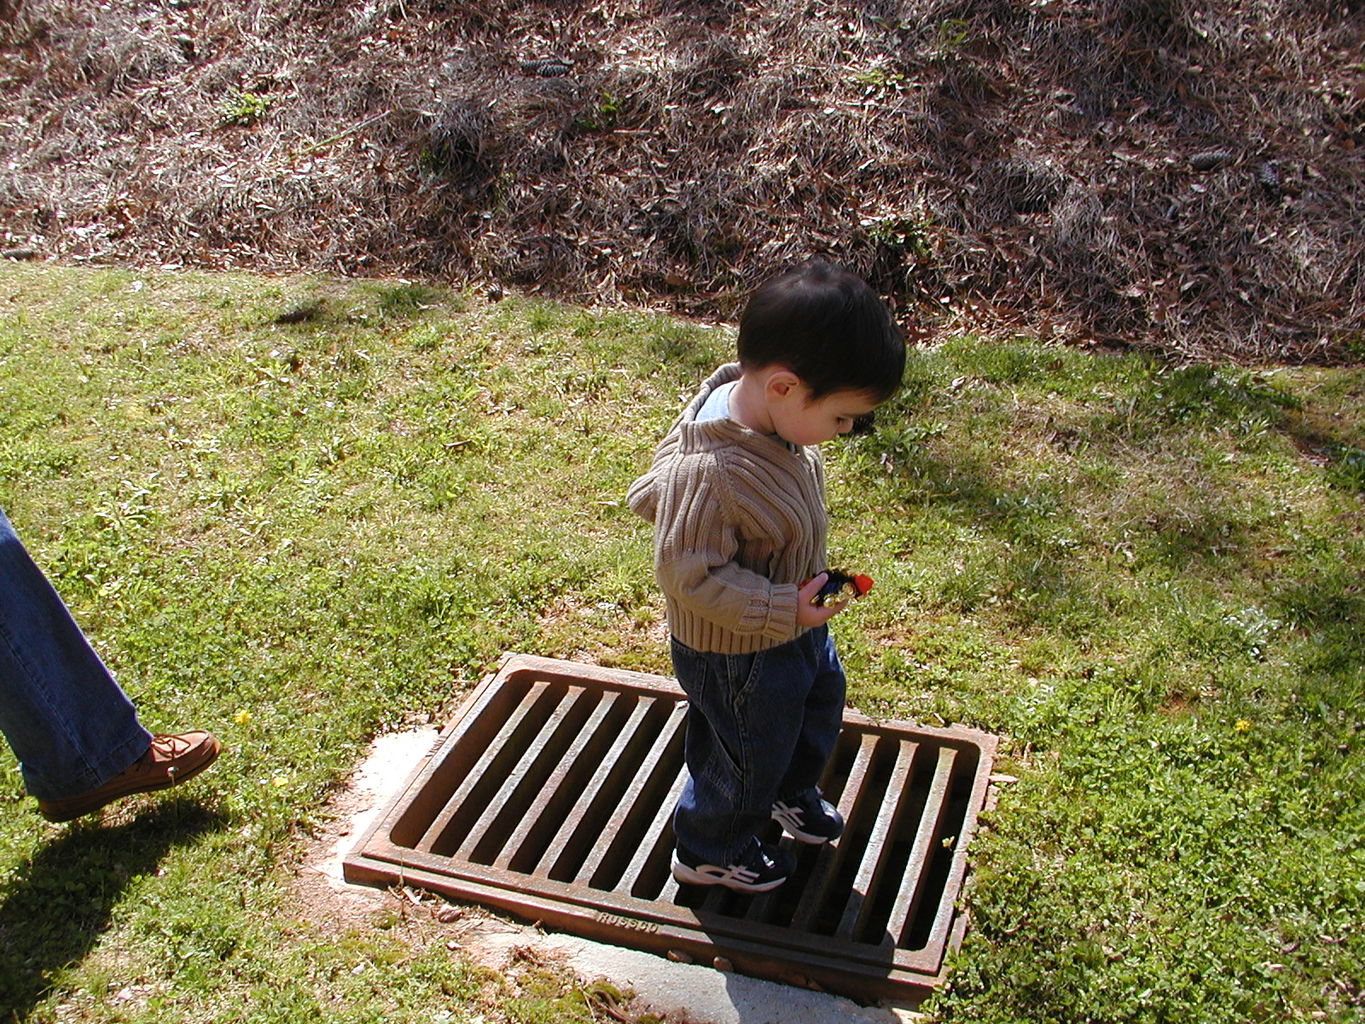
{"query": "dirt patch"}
(1137, 172)
(324, 894)
(322, 890)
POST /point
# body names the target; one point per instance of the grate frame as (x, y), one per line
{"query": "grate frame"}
(548, 797)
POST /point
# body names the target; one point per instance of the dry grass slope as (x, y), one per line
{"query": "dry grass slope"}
(1140, 172)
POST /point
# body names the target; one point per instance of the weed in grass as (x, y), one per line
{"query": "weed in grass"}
(407, 299)
(1346, 467)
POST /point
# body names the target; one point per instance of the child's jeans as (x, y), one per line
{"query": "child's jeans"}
(759, 727)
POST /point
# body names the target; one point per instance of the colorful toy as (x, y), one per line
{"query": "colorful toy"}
(841, 587)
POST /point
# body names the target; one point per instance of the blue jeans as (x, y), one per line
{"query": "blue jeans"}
(759, 727)
(70, 725)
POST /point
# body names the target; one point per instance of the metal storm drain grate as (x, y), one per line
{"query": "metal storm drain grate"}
(549, 797)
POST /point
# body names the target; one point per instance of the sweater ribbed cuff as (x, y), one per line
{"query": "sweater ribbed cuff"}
(780, 612)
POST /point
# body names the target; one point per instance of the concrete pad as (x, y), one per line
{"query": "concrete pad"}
(702, 994)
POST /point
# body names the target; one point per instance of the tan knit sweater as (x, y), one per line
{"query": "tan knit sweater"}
(739, 523)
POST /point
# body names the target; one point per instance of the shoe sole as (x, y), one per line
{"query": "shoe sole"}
(809, 838)
(691, 876)
(63, 811)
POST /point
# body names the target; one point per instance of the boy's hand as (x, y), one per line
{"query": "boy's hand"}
(809, 615)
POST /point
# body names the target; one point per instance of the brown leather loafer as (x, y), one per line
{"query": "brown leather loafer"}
(169, 761)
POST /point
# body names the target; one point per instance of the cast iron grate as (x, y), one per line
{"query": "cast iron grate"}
(549, 797)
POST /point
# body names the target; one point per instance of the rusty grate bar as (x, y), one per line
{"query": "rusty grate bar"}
(550, 793)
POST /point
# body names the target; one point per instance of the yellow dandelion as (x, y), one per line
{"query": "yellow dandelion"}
(242, 717)
(1242, 725)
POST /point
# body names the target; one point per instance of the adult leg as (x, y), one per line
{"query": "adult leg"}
(68, 722)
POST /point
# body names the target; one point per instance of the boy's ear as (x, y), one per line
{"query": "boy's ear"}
(780, 383)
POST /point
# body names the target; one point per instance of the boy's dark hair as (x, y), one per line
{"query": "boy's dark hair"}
(828, 327)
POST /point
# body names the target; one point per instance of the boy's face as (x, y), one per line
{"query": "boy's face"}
(799, 420)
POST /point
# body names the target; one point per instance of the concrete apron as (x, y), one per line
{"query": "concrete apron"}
(684, 992)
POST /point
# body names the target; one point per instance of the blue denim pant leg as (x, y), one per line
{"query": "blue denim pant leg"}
(759, 726)
(69, 724)
(823, 714)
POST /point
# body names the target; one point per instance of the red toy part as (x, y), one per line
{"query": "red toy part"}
(840, 586)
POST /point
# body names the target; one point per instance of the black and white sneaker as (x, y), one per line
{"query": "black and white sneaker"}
(760, 868)
(809, 818)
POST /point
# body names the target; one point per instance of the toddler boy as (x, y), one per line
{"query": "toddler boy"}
(736, 496)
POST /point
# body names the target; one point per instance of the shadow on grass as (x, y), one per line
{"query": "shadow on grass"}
(54, 909)
(1342, 461)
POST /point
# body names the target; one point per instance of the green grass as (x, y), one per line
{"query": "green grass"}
(1148, 578)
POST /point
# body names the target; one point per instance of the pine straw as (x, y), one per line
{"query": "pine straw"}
(1139, 172)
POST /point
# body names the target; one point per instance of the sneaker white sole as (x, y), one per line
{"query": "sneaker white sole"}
(805, 837)
(709, 874)
(787, 819)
